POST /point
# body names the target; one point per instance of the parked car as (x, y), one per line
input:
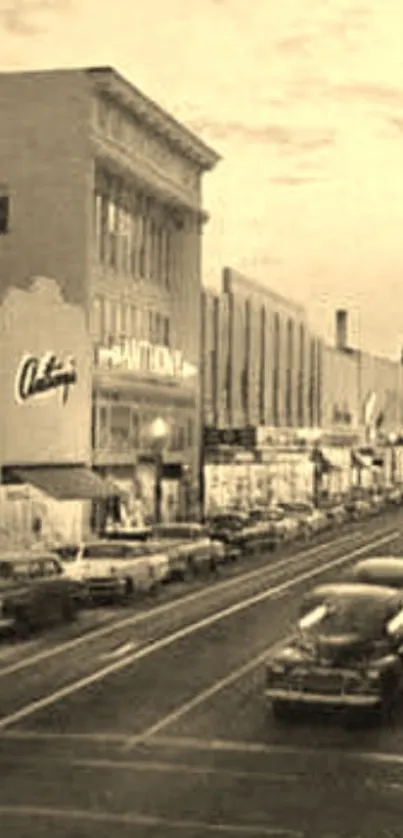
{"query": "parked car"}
(358, 508)
(114, 569)
(189, 547)
(346, 653)
(309, 519)
(336, 514)
(378, 570)
(35, 591)
(124, 532)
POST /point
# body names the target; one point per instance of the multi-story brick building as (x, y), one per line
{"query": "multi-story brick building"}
(101, 192)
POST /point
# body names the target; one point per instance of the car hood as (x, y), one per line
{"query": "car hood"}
(331, 649)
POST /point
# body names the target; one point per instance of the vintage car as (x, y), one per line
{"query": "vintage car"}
(125, 532)
(308, 519)
(35, 591)
(378, 570)
(346, 653)
(189, 547)
(114, 569)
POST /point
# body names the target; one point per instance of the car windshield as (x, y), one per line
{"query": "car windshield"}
(68, 552)
(105, 551)
(346, 615)
(177, 532)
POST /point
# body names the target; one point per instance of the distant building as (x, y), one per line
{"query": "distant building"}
(261, 364)
(100, 191)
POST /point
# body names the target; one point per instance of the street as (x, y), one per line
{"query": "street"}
(153, 721)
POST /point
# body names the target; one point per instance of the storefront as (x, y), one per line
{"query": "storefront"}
(135, 386)
(47, 485)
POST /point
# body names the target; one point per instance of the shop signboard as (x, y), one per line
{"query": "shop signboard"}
(243, 437)
(145, 359)
(45, 377)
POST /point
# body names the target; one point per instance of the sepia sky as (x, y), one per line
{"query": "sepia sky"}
(304, 101)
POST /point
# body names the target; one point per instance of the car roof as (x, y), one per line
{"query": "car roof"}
(355, 592)
(27, 556)
(388, 566)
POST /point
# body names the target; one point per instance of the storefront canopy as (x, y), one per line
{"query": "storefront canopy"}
(68, 482)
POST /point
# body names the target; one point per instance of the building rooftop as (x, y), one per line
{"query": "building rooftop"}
(113, 84)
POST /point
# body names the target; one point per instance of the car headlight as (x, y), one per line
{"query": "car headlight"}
(373, 674)
(276, 668)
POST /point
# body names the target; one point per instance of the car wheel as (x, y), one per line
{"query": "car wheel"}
(129, 589)
(282, 711)
(23, 625)
(68, 610)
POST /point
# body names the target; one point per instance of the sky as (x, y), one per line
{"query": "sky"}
(303, 100)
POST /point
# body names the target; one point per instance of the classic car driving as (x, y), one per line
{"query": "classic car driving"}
(379, 570)
(114, 569)
(189, 547)
(346, 653)
(35, 591)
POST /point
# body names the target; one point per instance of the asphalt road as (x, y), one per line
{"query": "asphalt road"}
(153, 721)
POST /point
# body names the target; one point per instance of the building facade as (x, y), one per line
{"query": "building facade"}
(101, 191)
(263, 372)
(261, 364)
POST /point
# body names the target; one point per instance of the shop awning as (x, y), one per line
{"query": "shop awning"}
(68, 482)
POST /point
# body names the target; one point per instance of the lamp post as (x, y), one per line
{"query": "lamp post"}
(159, 435)
(392, 439)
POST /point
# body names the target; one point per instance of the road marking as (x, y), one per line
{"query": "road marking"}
(150, 766)
(50, 736)
(167, 607)
(139, 819)
(200, 698)
(119, 651)
(180, 634)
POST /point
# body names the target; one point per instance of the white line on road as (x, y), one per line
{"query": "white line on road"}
(139, 819)
(164, 642)
(181, 634)
(173, 605)
(235, 675)
(198, 699)
(119, 651)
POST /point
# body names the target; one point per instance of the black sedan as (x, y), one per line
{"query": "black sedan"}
(347, 652)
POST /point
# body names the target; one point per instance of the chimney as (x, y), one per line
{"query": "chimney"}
(341, 329)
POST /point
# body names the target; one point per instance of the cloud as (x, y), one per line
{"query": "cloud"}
(282, 136)
(371, 93)
(25, 17)
(293, 180)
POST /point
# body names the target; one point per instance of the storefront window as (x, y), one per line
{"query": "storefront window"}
(120, 427)
(102, 431)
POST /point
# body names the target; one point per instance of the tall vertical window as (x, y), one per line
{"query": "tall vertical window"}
(113, 233)
(289, 370)
(133, 322)
(97, 325)
(169, 257)
(142, 242)
(158, 330)
(312, 379)
(276, 370)
(262, 367)
(166, 332)
(301, 376)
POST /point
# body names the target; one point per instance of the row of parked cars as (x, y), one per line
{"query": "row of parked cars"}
(48, 586)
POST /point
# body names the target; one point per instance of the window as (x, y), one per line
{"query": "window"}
(168, 258)
(289, 368)
(166, 332)
(120, 427)
(276, 370)
(102, 429)
(142, 239)
(189, 432)
(133, 328)
(113, 233)
(135, 428)
(157, 329)
(97, 325)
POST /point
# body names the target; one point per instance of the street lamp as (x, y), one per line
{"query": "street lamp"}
(159, 435)
(392, 439)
